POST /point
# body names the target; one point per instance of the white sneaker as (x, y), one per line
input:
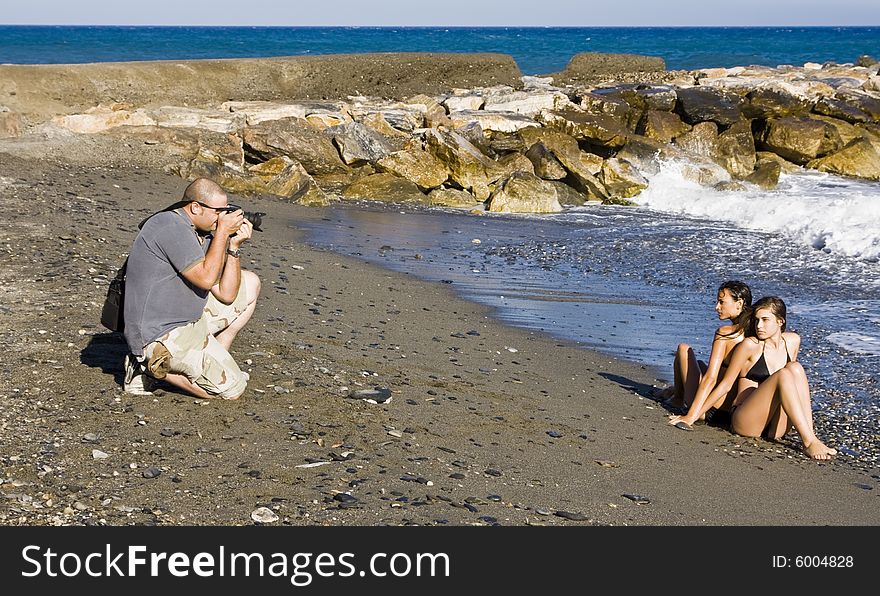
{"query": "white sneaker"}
(136, 381)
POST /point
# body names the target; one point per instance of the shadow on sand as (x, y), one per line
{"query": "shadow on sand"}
(106, 351)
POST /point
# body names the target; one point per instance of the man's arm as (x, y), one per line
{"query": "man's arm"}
(205, 274)
(226, 289)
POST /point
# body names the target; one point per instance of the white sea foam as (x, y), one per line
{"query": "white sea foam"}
(859, 343)
(820, 210)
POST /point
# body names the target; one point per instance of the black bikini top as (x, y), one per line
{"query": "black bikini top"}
(759, 371)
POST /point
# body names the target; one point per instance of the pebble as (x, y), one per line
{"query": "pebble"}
(572, 516)
(378, 395)
(607, 463)
(90, 438)
(457, 476)
(554, 434)
(396, 433)
(542, 511)
(493, 472)
(98, 454)
(264, 515)
(637, 498)
(151, 473)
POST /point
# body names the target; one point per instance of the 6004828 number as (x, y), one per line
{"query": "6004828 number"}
(823, 561)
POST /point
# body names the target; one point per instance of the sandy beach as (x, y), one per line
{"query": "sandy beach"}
(487, 424)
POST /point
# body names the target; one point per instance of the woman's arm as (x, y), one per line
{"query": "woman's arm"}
(738, 359)
(707, 383)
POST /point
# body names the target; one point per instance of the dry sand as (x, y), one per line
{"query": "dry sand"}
(466, 438)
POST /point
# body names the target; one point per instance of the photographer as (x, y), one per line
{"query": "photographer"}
(187, 297)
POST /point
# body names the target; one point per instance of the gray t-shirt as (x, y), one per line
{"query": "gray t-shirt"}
(157, 297)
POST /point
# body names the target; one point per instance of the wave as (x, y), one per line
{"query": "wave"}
(823, 211)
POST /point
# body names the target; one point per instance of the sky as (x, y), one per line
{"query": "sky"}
(510, 13)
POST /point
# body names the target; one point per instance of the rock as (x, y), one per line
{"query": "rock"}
(513, 162)
(207, 119)
(98, 454)
(461, 103)
(262, 111)
(702, 104)
(405, 118)
(11, 124)
(621, 179)
(151, 473)
(452, 197)
(526, 103)
(786, 166)
(775, 101)
(799, 139)
(566, 195)
(492, 121)
(858, 159)
(359, 144)
(102, 118)
(644, 153)
(855, 106)
(597, 129)
(522, 192)
(377, 122)
(280, 176)
(766, 174)
(90, 438)
(700, 140)
(661, 126)
(866, 61)
(643, 97)
(264, 515)
(415, 165)
(569, 515)
(848, 131)
(468, 167)
(378, 395)
(385, 187)
(473, 133)
(730, 186)
(735, 149)
(296, 139)
(706, 173)
(638, 499)
(434, 113)
(602, 102)
(835, 108)
(545, 164)
(565, 149)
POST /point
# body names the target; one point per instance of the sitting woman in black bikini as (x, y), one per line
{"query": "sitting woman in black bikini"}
(772, 391)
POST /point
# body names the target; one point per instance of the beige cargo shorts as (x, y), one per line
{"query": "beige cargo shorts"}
(193, 351)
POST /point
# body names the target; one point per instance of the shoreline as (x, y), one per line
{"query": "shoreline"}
(467, 416)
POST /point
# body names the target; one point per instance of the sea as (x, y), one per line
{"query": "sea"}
(631, 282)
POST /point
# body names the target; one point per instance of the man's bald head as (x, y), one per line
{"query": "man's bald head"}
(205, 191)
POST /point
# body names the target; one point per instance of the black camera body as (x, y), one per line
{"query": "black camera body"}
(255, 217)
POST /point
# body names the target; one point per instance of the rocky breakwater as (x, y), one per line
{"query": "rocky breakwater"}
(531, 144)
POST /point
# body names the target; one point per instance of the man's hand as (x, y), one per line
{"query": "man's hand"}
(229, 223)
(245, 230)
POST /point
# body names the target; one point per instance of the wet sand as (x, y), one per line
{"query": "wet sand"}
(475, 433)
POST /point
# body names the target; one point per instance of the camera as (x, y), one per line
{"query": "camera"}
(255, 217)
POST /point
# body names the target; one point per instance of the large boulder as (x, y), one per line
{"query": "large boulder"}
(415, 165)
(183, 117)
(359, 144)
(589, 67)
(513, 162)
(599, 102)
(279, 176)
(799, 140)
(463, 103)
(702, 139)
(524, 193)
(385, 187)
(596, 129)
(566, 195)
(102, 118)
(661, 126)
(545, 163)
(735, 149)
(643, 97)
(565, 148)
(526, 103)
(858, 159)
(701, 104)
(492, 121)
(377, 122)
(622, 179)
(453, 197)
(775, 101)
(842, 110)
(435, 114)
(255, 112)
(297, 139)
(766, 174)
(467, 165)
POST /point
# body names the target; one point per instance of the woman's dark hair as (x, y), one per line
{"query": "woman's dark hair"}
(740, 291)
(775, 305)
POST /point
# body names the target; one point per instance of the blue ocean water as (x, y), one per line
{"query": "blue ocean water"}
(536, 50)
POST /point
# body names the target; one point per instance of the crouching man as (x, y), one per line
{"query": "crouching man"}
(187, 297)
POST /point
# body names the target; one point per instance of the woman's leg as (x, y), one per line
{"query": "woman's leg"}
(687, 374)
(759, 408)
